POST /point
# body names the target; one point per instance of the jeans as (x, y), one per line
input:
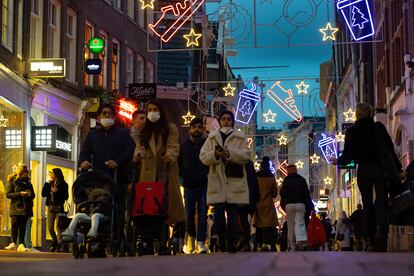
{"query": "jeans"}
(371, 177)
(51, 222)
(229, 231)
(295, 213)
(28, 235)
(196, 196)
(18, 228)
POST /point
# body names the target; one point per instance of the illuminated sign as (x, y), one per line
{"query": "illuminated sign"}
(63, 145)
(126, 109)
(284, 99)
(192, 38)
(357, 15)
(96, 45)
(329, 32)
(13, 138)
(142, 92)
(93, 66)
(47, 68)
(248, 101)
(328, 147)
(181, 12)
(43, 138)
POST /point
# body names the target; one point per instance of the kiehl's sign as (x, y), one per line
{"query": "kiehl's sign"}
(47, 68)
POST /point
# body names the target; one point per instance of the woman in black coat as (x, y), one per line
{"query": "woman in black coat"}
(56, 192)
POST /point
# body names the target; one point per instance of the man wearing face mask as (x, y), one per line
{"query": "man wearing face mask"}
(194, 175)
(109, 148)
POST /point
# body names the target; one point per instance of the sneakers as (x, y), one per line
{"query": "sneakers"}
(201, 248)
(189, 246)
(11, 246)
(32, 250)
(21, 248)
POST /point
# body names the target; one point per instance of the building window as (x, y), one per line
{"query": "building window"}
(117, 4)
(71, 50)
(150, 72)
(87, 79)
(131, 8)
(140, 69)
(19, 42)
(7, 24)
(141, 17)
(115, 65)
(150, 19)
(130, 66)
(102, 77)
(36, 29)
(53, 44)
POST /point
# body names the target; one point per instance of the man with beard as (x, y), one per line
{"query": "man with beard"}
(194, 174)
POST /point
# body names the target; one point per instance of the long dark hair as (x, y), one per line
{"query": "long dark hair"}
(59, 175)
(158, 128)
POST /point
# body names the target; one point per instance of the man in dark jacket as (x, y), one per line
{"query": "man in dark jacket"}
(362, 146)
(295, 201)
(357, 222)
(194, 175)
(109, 148)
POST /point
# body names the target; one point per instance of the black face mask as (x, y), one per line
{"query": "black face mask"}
(196, 134)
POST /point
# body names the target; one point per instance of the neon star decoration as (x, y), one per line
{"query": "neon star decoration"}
(181, 11)
(358, 17)
(315, 158)
(350, 115)
(328, 147)
(3, 121)
(229, 90)
(256, 166)
(327, 181)
(340, 137)
(269, 116)
(284, 99)
(302, 88)
(192, 38)
(282, 140)
(299, 164)
(247, 104)
(279, 181)
(147, 4)
(329, 32)
(188, 118)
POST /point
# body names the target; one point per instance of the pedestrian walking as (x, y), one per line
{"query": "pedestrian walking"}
(265, 219)
(56, 191)
(226, 152)
(327, 225)
(21, 194)
(356, 220)
(295, 200)
(194, 174)
(316, 233)
(343, 232)
(364, 143)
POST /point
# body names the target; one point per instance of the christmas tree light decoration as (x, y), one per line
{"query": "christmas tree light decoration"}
(248, 101)
(229, 90)
(328, 147)
(327, 181)
(192, 38)
(181, 11)
(279, 181)
(147, 4)
(350, 115)
(269, 116)
(340, 137)
(283, 167)
(329, 32)
(358, 17)
(188, 118)
(315, 159)
(249, 142)
(302, 88)
(3, 121)
(282, 140)
(284, 99)
(299, 164)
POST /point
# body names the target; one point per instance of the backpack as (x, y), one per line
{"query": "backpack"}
(149, 199)
(316, 233)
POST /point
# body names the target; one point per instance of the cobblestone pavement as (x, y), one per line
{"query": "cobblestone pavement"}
(249, 264)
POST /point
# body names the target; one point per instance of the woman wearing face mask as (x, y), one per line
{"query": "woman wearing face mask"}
(158, 150)
(226, 152)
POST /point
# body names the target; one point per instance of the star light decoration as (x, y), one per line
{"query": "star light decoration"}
(302, 88)
(340, 137)
(147, 4)
(229, 90)
(192, 38)
(329, 32)
(299, 164)
(279, 181)
(315, 159)
(350, 115)
(3, 121)
(282, 140)
(269, 116)
(327, 180)
(256, 166)
(188, 118)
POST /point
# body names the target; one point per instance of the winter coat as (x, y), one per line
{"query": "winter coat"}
(20, 205)
(101, 145)
(266, 215)
(357, 221)
(194, 172)
(295, 190)
(221, 189)
(152, 170)
(254, 194)
(343, 227)
(59, 197)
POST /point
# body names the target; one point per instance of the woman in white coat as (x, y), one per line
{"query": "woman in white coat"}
(226, 152)
(343, 232)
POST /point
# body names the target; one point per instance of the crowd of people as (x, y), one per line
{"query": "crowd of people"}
(228, 206)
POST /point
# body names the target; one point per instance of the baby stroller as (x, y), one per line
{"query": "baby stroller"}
(84, 185)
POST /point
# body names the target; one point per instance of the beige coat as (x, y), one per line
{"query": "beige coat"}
(221, 189)
(149, 173)
(266, 212)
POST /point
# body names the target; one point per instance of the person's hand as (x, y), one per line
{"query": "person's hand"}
(334, 161)
(85, 165)
(226, 154)
(111, 164)
(53, 189)
(219, 152)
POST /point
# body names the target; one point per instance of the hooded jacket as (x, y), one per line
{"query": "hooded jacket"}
(20, 205)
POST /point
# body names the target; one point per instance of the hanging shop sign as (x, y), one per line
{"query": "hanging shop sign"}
(93, 66)
(63, 143)
(358, 18)
(247, 104)
(13, 138)
(47, 68)
(142, 92)
(96, 45)
(43, 138)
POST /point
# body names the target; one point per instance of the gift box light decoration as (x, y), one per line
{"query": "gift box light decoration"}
(328, 147)
(284, 99)
(358, 17)
(248, 101)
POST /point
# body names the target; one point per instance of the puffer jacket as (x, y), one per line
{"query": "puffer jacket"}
(20, 205)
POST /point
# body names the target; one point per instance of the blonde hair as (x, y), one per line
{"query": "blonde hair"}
(364, 110)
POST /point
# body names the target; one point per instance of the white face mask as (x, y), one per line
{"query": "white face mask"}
(226, 130)
(154, 116)
(107, 122)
